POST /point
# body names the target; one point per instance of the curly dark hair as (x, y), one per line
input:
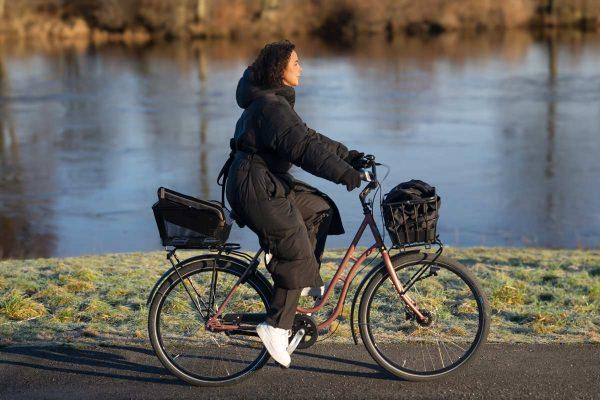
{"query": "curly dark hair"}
(267, 69)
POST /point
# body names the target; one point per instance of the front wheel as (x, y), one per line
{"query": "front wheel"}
(446, 293)
(178, 314)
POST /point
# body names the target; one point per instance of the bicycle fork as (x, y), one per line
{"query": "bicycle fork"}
(410, 304)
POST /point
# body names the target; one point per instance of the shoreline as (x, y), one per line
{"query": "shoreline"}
(335, 21)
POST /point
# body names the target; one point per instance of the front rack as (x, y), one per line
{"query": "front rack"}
(410, 246)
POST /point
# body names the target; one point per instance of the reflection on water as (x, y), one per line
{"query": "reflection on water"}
(504, 125)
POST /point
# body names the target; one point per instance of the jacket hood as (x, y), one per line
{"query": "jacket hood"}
(247, 91)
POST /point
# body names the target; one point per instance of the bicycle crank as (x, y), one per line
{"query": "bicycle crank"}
(304, 333)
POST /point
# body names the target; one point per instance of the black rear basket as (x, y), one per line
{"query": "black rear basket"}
(412, 221)
(190, 223)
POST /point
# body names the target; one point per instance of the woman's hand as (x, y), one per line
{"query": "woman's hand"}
(351, 179)
(354, 158)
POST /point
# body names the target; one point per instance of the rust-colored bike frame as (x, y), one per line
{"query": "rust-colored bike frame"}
(349, 277)
(215, 325)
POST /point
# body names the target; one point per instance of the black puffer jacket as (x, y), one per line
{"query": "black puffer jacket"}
(270, 137)
(270, 127)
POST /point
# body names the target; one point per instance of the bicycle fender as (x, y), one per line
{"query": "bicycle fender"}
(363, 283)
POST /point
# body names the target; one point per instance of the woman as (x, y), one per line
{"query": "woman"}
(291, 218)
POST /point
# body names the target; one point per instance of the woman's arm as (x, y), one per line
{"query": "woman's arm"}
(333, 146)
(287, 135)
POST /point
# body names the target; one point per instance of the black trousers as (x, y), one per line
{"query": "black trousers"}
(316, 214)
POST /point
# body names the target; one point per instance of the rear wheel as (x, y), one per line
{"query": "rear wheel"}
(446, 293)
(178, 314)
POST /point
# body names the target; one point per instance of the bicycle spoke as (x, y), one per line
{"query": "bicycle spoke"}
(223, 362)
(423, 353)
(454, 344)
(440, 351)
(430, 358)
(447, 352)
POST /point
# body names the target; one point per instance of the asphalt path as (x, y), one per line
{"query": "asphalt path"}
(323, 371)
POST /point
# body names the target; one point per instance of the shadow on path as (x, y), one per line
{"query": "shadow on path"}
(68, 359)
(378, 374)
(133, 363)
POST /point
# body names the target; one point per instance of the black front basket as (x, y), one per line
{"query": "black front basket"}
(190, 223)
(412, 221)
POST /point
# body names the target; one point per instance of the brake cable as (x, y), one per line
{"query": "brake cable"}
(387, 167)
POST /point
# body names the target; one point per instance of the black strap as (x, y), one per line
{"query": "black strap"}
(222, 177)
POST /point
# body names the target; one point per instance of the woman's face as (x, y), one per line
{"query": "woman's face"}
(293, 70)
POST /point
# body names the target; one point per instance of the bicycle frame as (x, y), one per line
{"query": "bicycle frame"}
(215, 325)
(349, 277)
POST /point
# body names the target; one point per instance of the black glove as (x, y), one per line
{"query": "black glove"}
(354, 158)
(351, 179)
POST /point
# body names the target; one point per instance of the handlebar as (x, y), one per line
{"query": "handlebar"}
(368, 161)
(368, 176)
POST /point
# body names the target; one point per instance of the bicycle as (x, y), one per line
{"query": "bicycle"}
(421, 315)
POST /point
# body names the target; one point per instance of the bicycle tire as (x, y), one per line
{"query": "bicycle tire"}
(401, 262)
(224, 265)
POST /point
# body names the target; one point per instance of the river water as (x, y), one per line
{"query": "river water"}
(506, 126)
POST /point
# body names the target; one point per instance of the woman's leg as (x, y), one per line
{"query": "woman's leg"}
(295, 230)
(283, 307)
(281, 229)
(317, 214)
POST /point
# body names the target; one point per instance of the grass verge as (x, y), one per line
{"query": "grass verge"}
(536, 295)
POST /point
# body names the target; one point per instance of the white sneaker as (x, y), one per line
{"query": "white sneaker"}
(313, 291)
(276, 342)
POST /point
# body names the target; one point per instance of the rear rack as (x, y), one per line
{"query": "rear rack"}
(227, 248)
